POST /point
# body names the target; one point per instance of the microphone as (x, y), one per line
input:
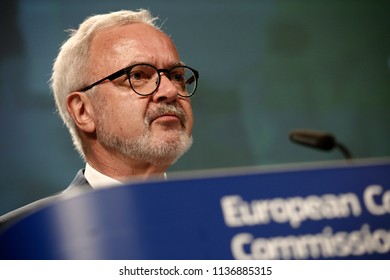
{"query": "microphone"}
(319, 140)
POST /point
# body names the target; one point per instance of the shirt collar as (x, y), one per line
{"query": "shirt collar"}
(98, 180)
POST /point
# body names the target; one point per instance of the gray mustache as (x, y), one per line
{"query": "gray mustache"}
(166, 109)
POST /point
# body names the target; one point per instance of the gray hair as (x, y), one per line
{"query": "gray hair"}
(71, 65)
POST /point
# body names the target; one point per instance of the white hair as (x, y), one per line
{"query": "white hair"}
(70, 69)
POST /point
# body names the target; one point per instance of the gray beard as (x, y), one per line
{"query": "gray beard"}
(147, 148)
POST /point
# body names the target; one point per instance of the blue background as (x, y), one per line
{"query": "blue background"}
(266, 67)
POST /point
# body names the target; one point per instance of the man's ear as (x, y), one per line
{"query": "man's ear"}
(81, 110)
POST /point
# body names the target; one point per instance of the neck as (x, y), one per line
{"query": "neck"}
(123, 168)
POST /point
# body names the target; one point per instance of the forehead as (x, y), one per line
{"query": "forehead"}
(118, 46)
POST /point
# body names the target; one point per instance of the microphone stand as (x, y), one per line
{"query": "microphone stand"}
(347, 154)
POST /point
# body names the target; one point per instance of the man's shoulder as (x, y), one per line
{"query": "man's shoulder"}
(78, 185)
(13, 216)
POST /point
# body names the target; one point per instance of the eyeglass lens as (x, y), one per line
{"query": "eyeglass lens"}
(145, 79)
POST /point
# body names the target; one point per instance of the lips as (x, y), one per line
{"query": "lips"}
(167, 117)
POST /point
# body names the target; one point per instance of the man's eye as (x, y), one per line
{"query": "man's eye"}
(138, 75)
(179, 78)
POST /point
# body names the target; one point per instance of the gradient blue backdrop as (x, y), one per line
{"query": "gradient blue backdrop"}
(266, 67)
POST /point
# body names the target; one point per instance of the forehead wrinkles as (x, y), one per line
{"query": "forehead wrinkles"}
(124, 45)
(105, 52)
(120, 46)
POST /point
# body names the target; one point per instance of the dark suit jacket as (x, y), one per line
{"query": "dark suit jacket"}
(78, 185)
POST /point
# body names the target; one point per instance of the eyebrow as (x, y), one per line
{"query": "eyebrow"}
(173, 64)
(180, 63)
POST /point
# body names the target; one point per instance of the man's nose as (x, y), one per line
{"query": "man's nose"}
(166, 92)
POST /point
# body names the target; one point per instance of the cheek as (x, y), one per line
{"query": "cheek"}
(127, 116)
(130, 119)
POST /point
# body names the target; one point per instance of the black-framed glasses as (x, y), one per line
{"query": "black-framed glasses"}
(145, 79)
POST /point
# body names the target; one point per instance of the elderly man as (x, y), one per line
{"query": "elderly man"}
(124, 94)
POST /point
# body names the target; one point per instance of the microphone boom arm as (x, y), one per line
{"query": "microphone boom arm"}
(319, 140)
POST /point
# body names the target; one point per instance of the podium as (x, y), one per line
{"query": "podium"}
(337, 210)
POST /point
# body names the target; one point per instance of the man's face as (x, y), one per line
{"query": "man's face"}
(154, 129)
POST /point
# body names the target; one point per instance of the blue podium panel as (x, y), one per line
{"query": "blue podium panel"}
(323, 212)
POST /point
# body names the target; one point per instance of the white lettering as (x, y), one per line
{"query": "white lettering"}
(230, 210)
(238, 243)
(326, 244)
(379, 206)
(294, 210)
